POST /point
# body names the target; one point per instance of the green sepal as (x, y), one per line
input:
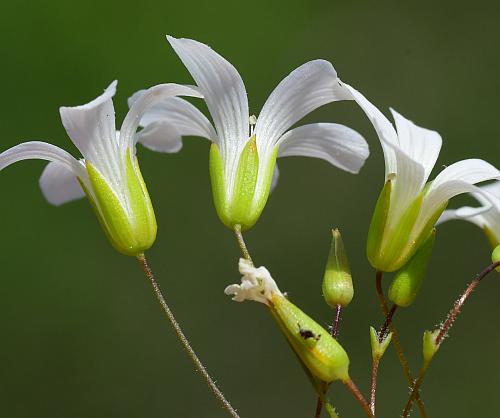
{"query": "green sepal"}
(408, 280)
(132, 232)
(379, 348)
(337, 280)
(243, 207)
(495, 256)
(244, 188)
(429, 348)
(322, 355)
(378, 224)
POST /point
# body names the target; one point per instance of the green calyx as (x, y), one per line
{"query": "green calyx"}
(243, 207)
(337, 280)
(318, 351)
(389, 249)
(408, 281)
(131, 230)
(430, 347)
(495, 256)
(379, 347)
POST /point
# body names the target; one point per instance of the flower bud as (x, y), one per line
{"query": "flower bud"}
(244, 204)
(495, 256)
(337, 281)
(319, 352)
(379, 347)
(130, 222)
(430, 347)
(406, 285)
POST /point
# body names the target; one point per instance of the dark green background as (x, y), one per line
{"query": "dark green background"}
(82, 336)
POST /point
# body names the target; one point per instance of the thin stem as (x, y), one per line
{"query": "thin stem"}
(415, 389)
(396, 341)
(373, 387)
(331, 410)
(319, 407)
(182, 338)
(387, 324)
(459, 303)
(452, 316)
(241, 243)
(336, 321)
(359, 397)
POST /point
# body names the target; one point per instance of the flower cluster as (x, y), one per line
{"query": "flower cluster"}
(242, 161)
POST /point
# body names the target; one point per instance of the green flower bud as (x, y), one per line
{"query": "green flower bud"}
(337, 281)
(390, 245)
(406, 285)
(319, 352)
(378, 348)
(130, 227)
(495, 256)
(430, 347)
(245, 203)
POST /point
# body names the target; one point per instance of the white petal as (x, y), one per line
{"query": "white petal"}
(339, 145)
(465, 212)
(168, 121)
(60, 185)
(149, 98)
(275, 179)
(420, 144)
(222, 88)
(385, 131)
(308, 87)
(161, 137)
(36, 150)
(458, 178)
(91, 127)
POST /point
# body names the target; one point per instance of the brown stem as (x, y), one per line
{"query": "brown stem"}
(373, 388)
(241, 243)
(414, 391)
(387, 323)
(396, 341)
(182, 338)
(319, 407)
(359, 397)
(459, 303)
(452, 316)
(336, 321)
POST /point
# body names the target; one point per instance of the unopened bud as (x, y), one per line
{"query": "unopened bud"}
(337, 281)
(319, 352)
(406, 285)
(430, 347)
(379, 347)
(495, 256)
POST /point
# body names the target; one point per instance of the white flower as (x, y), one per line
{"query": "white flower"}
(409, 206)
(108, 172)
(256, 284)
(244, 150)
(487, 216)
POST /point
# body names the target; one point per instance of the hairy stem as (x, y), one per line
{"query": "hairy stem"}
(452, 316)
(182, 338)
(359, 397)
(319, 407)
(241, 243)
(396, 341)
(336, 321)
(373, 386)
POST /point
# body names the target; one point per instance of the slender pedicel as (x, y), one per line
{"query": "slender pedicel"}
(443, 331)
(359, 397)
(241, 243)
(397, 344)
(182, 338)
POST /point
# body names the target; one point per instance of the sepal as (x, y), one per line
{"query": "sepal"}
(379, 347)
(495, 256)
(430, 347)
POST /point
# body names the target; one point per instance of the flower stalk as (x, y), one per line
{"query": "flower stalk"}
(183, 339)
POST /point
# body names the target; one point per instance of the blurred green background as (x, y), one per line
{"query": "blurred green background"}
(82, 336)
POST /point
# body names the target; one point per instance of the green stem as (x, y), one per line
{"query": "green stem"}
(396, 341)
(182, 338)
(241, 243)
